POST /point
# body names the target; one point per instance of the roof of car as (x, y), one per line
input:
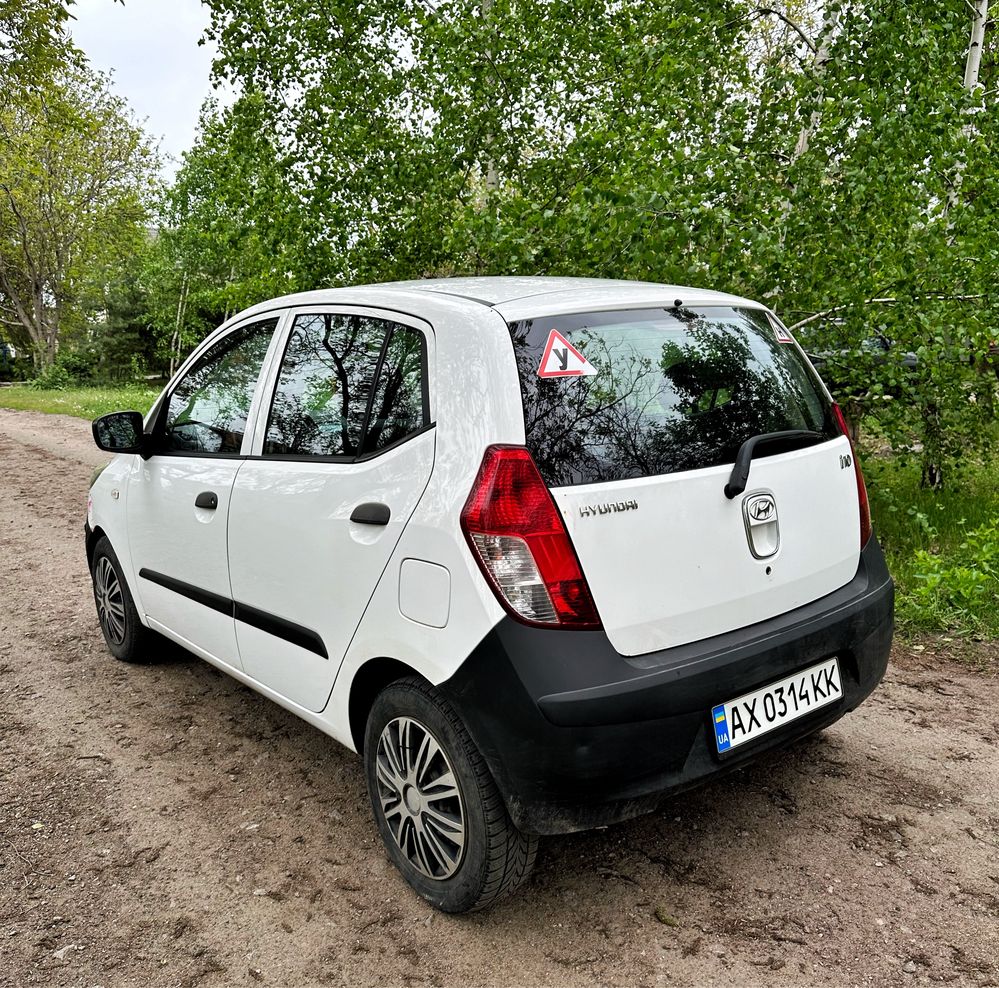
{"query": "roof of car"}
(513, 297)
(514, 288)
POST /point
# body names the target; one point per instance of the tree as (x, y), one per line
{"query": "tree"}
(74, 175)
(119, 341)
(33, 44)
(901, 224)
(818, 156)
(227, 229)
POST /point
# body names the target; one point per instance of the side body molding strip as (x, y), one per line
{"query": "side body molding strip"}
(272, 624)
(213, 600)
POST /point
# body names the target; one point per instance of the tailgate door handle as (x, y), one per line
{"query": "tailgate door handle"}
(208, 500)
(371, 513)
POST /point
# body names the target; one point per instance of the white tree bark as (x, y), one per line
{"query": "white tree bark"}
(175, 341)
(972, 67)
(973, 63)
(830, 22)
(492, 175)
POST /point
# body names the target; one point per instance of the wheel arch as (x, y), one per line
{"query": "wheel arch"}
(369, 680)
(93, 537)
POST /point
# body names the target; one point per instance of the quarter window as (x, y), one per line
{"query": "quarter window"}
(207, 410)
(348, 385)
(397, 408)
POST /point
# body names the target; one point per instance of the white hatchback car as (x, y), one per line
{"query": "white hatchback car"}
(543, 550)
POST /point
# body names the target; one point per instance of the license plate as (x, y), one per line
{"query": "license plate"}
(748, 717)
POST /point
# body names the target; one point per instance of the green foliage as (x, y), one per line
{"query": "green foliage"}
(221, 245)
(941, 546)
(119, 341)
(819, 166)
(960, 591)
(74, 175)
(72, 368)
(13, 368)
(86, 403)
(55, 377)
(33, 44)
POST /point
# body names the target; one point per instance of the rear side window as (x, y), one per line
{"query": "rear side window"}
(348, 385)
(664, 391)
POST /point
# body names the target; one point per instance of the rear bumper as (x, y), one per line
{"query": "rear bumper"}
(578, 736)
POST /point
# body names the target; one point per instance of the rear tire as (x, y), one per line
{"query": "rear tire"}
(127, 639)
(442, 819)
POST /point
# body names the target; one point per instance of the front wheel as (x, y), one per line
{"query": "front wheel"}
(437, 807)
(126, 636)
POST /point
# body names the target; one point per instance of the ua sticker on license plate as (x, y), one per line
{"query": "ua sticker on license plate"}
(749, 716)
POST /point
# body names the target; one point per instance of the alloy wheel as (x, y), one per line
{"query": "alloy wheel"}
(420, 798)
(110, 603)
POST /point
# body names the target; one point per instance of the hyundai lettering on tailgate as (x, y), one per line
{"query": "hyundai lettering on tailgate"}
(749, 716)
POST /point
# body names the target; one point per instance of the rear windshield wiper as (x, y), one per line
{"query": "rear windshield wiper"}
(740, 472)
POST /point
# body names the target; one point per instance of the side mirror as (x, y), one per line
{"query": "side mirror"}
(119, 432)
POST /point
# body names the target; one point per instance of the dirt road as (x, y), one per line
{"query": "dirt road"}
(163, 825)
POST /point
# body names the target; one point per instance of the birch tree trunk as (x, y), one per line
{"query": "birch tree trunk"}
(492, 175)
(830, 22)
(972, 67)
(175, 341)
(973, 63)
(932, 471)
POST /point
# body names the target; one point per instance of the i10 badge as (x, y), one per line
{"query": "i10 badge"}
(747, 717)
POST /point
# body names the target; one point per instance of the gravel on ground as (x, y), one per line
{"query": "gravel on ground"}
(164, 825)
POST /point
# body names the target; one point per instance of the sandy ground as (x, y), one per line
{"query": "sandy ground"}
(163, 825)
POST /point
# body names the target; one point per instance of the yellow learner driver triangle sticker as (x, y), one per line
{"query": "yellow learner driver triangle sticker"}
(562, 359)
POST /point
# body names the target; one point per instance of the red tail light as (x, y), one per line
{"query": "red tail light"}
(865, 507)
(517, 535)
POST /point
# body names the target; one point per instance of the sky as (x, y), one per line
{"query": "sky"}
(151, 47)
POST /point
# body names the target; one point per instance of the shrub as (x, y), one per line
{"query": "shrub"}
(81, 363)
(53, 378)
(958, 591)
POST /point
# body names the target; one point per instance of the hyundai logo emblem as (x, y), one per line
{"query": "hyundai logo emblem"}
(759, 513)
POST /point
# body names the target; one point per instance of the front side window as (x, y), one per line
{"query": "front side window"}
(348, 385)
(208, 408)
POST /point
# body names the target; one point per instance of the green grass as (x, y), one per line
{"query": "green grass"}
(84, 403)
(942, 546)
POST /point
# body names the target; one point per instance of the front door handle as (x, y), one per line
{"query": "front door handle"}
(208, 500)
(371, 513)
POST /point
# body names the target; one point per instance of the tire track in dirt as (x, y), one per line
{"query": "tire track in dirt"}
(191, 832)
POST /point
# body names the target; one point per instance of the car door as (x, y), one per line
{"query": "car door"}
(341, 460)
(178, 499)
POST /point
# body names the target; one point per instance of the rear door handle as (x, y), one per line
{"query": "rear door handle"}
(208, 500)
(371, 513)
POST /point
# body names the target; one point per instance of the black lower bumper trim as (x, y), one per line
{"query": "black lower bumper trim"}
(578, 736)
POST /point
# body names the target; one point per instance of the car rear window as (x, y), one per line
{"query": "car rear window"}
(655, 391)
